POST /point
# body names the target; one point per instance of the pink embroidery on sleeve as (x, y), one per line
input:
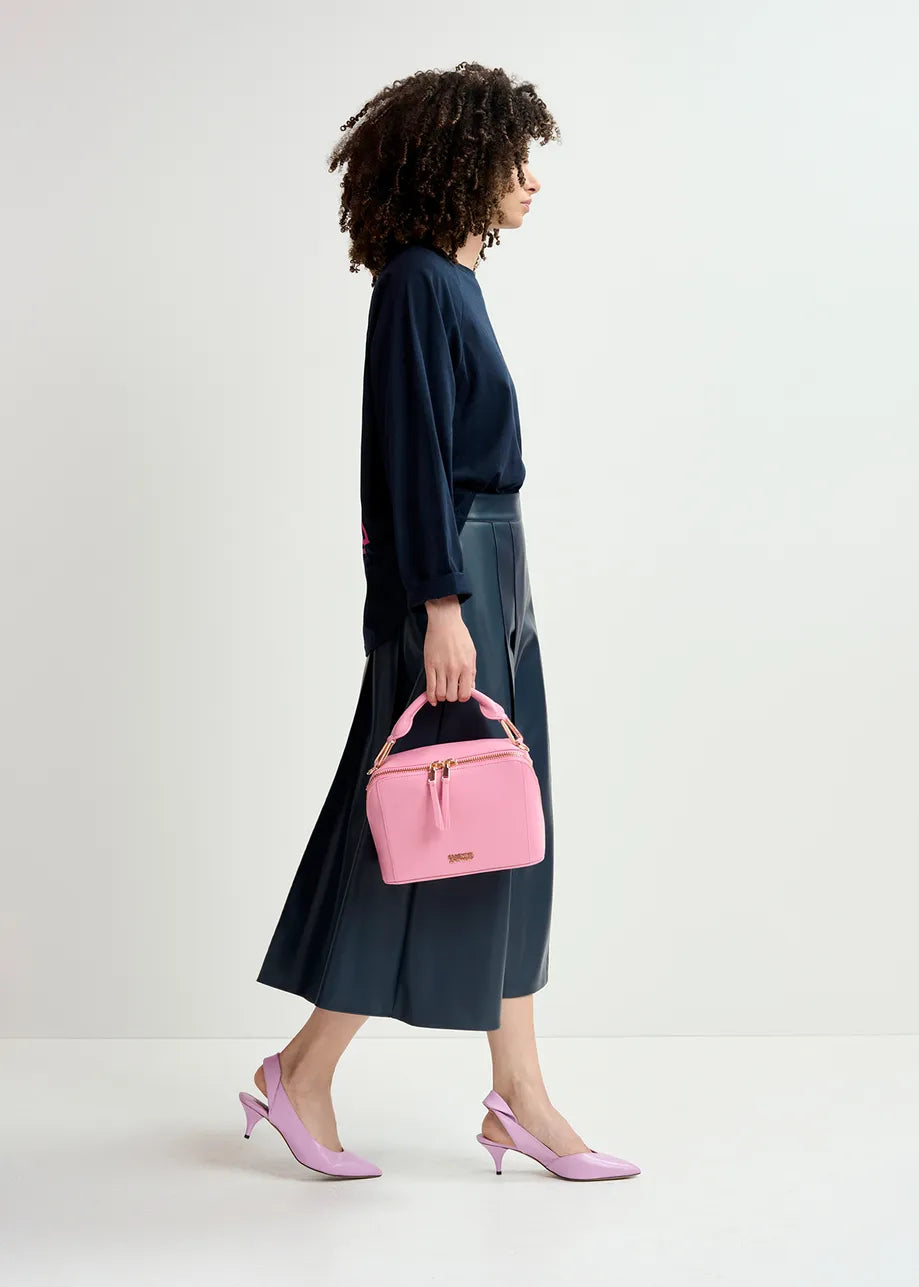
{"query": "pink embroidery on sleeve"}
(366, 538)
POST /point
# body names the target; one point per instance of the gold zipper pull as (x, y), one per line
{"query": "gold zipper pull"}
(447, 764)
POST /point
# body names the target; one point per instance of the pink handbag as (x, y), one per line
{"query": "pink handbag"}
(455, 808)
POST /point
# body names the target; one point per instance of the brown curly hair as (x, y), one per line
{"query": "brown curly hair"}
(429, 158)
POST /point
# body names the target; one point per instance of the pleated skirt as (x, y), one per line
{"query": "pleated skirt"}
(438, 953)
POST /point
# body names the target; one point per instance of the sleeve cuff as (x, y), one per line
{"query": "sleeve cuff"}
(452, 583)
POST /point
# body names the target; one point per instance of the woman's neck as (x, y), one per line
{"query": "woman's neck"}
(468, 254)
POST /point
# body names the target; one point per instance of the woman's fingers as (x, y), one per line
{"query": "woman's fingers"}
(446, 682)
(449, 653)
(466, 684)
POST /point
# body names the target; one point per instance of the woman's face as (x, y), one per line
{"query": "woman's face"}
(515, 203)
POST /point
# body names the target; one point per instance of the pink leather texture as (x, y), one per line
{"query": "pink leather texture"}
(489, 708)
(567, 1166)
(280, 1112)
(455, 808)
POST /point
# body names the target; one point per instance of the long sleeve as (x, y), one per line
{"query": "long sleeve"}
(414, 392)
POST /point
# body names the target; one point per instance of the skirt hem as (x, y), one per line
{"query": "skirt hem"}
(310, 995)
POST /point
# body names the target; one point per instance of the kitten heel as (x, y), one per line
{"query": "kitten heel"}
(254, 1111)
(497, 1151)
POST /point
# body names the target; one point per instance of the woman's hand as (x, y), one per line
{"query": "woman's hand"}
(449, 653)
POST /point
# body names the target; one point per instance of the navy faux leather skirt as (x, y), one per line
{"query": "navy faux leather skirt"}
(435, 953)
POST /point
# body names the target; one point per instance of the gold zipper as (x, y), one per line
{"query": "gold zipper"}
(444, 765)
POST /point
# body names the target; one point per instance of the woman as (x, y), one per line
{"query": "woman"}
(436, 164)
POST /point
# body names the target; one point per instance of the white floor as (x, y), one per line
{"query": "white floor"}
(765, 1160)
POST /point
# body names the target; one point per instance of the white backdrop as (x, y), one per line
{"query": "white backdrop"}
(710, 317)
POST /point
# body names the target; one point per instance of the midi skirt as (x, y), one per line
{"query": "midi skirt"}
(438, 953)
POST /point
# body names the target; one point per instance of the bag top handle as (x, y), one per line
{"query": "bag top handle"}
(490, 709)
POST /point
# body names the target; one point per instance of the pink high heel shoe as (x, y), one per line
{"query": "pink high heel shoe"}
(568, 1166)
(280, 1112)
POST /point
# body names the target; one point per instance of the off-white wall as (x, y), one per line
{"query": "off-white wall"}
(710, 316)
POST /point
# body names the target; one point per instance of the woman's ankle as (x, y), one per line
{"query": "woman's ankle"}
(520, 1086)
(303, 1073)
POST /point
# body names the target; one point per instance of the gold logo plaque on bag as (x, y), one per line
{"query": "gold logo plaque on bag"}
(461, 857)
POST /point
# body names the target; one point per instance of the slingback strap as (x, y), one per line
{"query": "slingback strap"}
(272, 1067)
(523, 1139)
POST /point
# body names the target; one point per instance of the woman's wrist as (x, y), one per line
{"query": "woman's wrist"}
(448, 604)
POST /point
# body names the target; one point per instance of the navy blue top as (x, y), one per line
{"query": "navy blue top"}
(440, 423)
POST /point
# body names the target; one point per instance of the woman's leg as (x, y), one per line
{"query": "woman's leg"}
(517, 1078)
(308, 1063)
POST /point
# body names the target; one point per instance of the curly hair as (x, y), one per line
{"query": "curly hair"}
(430, 157)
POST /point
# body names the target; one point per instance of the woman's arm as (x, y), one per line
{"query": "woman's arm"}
(414, 389)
